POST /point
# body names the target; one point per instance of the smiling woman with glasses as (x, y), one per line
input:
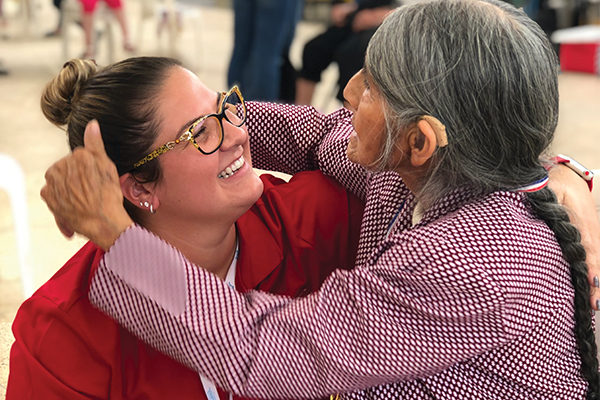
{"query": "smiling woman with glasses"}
(183, 156)
(206, 133)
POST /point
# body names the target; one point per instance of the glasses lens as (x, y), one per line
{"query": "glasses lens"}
(235, 109)
(208, 135)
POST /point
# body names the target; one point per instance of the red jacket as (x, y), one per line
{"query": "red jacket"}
(290, 241)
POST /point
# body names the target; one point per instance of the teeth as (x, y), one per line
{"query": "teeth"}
(230, 170)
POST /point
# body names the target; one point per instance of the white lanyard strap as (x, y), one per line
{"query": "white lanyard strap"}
(209, 387)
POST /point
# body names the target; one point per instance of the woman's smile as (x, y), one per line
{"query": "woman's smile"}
(232, 168)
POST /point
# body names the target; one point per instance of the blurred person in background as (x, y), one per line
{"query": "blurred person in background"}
(289, 74)
(262, 34)
(87, 22)
(56, 32)
(344, 42)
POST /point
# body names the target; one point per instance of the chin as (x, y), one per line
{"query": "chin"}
(367, 163)
(352, 149)
(252, 187)
(258, 188)
(354, 155)
(353, 158)
(249, 195)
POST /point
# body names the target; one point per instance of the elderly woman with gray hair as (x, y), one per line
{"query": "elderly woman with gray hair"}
(470, 282)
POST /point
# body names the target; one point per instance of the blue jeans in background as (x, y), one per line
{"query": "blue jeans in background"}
(262, 32)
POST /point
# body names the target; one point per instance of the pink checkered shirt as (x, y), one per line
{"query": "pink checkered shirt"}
(473, 302)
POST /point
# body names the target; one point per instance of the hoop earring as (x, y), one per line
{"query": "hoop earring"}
(152, 210)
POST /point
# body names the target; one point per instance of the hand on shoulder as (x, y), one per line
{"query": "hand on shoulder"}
(574, 194)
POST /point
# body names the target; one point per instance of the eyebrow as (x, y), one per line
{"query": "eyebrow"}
(187, 124)
(365, 73)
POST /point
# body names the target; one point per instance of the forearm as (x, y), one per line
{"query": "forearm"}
(573, 193)
(223, 341)
(285, 138)
(291, 139)
(261, 345)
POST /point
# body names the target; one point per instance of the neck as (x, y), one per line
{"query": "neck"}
(210, 246)
(413, 178)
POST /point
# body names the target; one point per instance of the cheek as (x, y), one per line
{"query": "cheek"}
(364, 150)
(365, 143)
(352, 149)
(248, 153)
(190, 168)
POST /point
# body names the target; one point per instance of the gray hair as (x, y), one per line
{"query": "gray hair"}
(487, 72)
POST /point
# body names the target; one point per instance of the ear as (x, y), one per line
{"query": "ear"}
(137, 192)
(422, 142)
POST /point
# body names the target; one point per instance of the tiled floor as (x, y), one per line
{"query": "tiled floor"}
(35, 144)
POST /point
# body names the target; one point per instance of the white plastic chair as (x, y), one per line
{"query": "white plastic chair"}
(12, 180)
(21, 14)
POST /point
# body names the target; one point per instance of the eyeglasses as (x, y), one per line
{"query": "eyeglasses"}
(206, 133)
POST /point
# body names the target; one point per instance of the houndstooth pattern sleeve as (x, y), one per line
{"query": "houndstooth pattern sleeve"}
(262, 345)
(433, 309)
(290, 139)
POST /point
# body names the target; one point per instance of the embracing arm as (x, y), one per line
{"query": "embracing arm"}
(261, 345)
(252, 339)
(290, 139)
(573, 193)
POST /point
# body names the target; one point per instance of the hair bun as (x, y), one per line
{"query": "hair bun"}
(62, 92)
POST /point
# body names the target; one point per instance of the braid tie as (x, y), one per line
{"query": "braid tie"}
(545, 206)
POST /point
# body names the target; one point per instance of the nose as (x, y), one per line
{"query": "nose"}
(234, 136)
(353, 91)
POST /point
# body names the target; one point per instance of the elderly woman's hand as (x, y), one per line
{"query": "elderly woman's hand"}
(83, 192)
(573, 193)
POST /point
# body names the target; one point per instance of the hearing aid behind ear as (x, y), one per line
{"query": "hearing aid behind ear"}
(438, 128)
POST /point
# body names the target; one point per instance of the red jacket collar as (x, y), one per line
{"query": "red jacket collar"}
(260, 250)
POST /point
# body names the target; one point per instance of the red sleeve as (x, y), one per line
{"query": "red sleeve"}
(52, 359)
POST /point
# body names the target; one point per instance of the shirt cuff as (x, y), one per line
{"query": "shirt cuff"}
(151, 266)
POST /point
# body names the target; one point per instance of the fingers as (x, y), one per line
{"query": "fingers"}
(84, 194)
(64, 228)
(595, 299)
(64, 183)
(593, 264)
(48, 194)
(92, 138)
(573, 193)
(94, 145)
(52, 192)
